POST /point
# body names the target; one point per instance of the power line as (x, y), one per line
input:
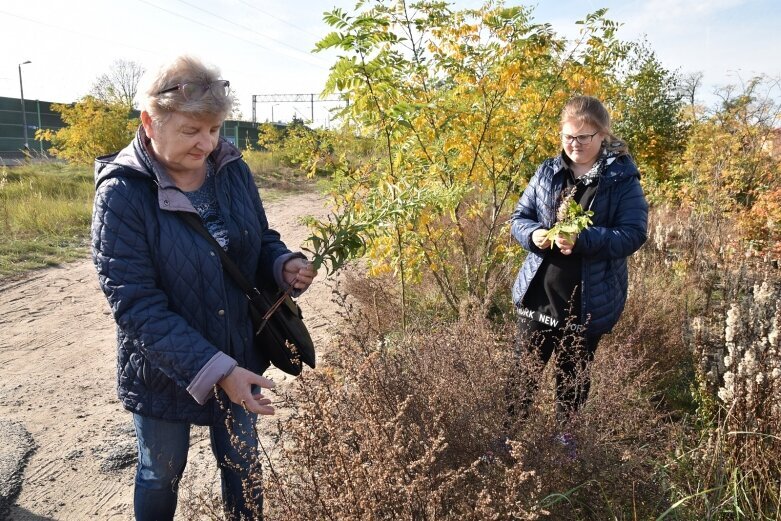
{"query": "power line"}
(250, 29)
(291, 98)
(103, 41)
(202, 24)
(234, 35)
(294, 26)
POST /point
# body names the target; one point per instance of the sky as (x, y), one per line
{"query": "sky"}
(264, 46)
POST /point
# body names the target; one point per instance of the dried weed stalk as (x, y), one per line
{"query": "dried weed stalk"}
(740, 376)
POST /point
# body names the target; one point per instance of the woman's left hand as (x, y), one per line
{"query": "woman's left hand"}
(299, 273)
(565, 244)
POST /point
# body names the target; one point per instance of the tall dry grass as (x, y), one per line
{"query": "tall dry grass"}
(727, 460)
(734, 466)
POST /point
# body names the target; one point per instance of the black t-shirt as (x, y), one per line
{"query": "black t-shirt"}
(554, 292)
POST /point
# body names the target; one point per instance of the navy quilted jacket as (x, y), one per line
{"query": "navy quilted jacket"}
(181, 324)
(619, 228)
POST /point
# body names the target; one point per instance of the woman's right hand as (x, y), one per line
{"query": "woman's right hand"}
(238, 386)
(539, 240)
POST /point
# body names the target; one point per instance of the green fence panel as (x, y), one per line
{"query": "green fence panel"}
(39, 114)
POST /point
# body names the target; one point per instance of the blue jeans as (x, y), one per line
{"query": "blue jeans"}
(162, 456)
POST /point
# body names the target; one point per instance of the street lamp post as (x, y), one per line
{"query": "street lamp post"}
(24, 115)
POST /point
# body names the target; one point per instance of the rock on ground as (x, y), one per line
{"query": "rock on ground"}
(15, 449)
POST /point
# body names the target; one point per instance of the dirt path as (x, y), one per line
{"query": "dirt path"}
(57, 380)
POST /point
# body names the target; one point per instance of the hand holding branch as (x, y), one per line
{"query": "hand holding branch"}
(238, 386)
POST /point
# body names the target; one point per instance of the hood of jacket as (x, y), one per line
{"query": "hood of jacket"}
(622, 166)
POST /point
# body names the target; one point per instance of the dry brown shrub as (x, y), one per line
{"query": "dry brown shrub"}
(619, 439)
(370, 306)
(406, 426)
(396, 428)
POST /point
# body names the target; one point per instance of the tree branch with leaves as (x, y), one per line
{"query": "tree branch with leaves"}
(465, 104)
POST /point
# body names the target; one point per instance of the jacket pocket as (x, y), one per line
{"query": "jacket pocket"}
(151, 378)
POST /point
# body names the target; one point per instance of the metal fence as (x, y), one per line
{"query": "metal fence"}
(39, 115)
(243, 134)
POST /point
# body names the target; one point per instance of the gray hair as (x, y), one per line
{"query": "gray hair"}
(183, 69)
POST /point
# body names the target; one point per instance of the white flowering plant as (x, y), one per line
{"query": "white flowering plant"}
(740, 366)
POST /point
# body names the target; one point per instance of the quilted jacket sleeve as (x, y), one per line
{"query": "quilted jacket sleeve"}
(127, 275)
(627, 231)
(525, 219)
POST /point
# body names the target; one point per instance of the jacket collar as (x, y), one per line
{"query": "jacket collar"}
(622, 166)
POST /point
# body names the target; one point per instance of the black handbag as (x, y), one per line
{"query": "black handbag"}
(280, 333)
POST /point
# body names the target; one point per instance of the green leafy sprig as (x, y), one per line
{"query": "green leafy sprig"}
(571, 219)
(335, 241)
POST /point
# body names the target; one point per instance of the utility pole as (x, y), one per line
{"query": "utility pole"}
(24, 115)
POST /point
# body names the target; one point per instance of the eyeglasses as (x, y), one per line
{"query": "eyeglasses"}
(196, 91)
(583, 139)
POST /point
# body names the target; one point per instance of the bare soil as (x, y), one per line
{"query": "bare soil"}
(58, 381)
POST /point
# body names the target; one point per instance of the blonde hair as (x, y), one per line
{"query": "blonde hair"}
(588, 110)
(183, 69)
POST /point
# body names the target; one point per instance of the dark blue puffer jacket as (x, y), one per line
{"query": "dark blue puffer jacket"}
(181, 324)
(619, 228)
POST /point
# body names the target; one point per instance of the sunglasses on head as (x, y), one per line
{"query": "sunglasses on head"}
(193, 91)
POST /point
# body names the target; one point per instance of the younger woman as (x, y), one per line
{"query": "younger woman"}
(572, 290)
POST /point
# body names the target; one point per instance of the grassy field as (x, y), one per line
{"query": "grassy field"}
(44, 215)
(275, 178)
(45, 209)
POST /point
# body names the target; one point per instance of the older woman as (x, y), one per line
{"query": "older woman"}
(183, 328)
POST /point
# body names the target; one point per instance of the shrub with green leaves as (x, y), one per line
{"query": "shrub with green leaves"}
(93, 128)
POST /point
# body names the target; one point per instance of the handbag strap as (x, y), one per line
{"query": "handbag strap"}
(250, 291)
